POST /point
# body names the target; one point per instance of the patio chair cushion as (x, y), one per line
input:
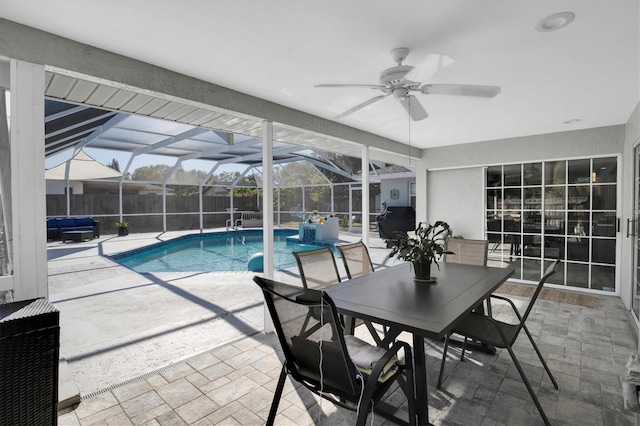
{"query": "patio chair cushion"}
(365, 356)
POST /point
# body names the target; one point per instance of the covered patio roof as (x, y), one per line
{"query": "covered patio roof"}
(221, 140)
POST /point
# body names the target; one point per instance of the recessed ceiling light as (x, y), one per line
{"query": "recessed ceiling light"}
(555, 22)
(572, 121)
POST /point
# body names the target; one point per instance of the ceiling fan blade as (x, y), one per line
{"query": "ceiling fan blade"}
(461, 90)
(414, 108)
(430, 65)
(362, 105)
(366, 86)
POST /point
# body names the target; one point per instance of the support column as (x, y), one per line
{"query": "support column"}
(164, 208)
(200, 207)
(350, 209)
(333, 207)
(267, 197)
(28, 181)
(267, 215)
(365, 195)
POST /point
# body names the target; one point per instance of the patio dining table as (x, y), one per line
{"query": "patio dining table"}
(392, 298)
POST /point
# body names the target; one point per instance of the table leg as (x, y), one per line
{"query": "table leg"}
(420, 372)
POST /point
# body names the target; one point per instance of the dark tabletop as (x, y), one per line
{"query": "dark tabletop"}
(391, 297)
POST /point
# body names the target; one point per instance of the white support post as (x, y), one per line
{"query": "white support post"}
(67, 185)
(365, 195)
(200, 207)
(350, 209)
(278, 189)
(28, 181)
(267, 216)
(120, 201)
(333, 207)
(164, 208)
(267, 196)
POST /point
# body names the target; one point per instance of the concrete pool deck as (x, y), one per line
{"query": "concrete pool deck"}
(117, 324)
(173, 349)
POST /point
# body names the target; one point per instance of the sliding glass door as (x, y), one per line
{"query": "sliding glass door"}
(538, 212)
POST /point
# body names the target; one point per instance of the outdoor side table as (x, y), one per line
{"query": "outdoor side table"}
(77, 236)
(29, 353)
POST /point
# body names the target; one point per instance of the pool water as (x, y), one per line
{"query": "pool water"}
(218, 251)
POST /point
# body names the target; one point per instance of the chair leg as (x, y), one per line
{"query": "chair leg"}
(276, 397)
(464, 347)
(365, 404)
(544, 364)
(528, 385)
(444, 358)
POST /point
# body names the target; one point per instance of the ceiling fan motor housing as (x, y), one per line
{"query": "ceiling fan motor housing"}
(394, 75)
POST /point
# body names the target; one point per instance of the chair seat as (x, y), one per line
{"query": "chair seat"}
(365, 356)
(480, 327)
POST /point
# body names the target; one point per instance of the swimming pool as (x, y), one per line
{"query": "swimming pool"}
(215, 251)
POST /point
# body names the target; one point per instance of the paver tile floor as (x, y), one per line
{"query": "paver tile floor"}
(230, 379)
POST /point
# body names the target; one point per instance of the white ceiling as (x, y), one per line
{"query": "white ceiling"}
(278, 50)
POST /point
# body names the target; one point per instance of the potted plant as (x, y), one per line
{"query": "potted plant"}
(123, 228)
(423, 249)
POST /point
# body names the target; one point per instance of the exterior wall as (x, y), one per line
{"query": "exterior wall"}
(456, 199)
(58, 187)
(631, 138)
(402, 185)
(456, 175)
(577, 143)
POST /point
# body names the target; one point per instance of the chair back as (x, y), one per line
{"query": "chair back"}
(550, 271)
(468, 252)
(312, 338)
(356, 259)
(317, 268)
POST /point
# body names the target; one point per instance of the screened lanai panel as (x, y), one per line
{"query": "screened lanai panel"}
(151, 168)
(299, 173)
(191, 172)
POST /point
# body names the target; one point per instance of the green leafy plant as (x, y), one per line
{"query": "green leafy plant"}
(428, 244)
(122, 224)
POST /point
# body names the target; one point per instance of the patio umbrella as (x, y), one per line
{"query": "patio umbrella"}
(80, 167)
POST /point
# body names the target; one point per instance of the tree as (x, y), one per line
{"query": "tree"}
(154, 173)
(114, 165)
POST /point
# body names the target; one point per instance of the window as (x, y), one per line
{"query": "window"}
(537, 212)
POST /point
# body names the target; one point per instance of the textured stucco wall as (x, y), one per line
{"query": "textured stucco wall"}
(402, 185)
(457, 197)
(631, 138)
(577, 143)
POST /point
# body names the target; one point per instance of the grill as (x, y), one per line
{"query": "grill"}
(396, 219)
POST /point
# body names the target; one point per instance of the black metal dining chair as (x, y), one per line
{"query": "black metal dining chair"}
(317, 354)
(484, 328)
(317, 267)
(357, 262)
(356, 259)
(468, 252)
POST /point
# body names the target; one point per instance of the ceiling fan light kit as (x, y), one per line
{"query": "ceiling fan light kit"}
(394, 81)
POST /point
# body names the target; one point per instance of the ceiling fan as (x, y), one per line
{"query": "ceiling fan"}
(394, 81)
